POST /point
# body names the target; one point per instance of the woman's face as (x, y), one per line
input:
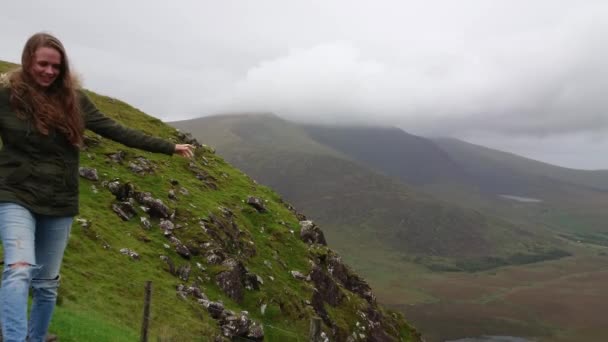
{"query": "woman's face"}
(46, 66)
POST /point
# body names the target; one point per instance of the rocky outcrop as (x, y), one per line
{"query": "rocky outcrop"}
(257, 204)
(232, 281)
(311, 233)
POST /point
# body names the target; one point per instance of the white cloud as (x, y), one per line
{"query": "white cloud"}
(509, 68)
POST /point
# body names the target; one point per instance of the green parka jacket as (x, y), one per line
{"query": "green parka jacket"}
(41, 172)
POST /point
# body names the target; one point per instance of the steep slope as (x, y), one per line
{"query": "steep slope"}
(356, 203)
(226, 256)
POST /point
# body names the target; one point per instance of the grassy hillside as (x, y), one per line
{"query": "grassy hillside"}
(207, 246)
(356, 203)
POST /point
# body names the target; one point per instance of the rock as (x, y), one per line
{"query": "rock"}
(187, 138)
(141, 165)
(134, 255)
(84, 223)
(328, 289)
(203, 176)
(183, 272)
(88, 173)
(166, 225)
(156, 206)
(122, 192)
(196, 292)
(256, 332)
(174, 182)
(235, 326)
(158, 209)
(172, 195)
(135, 168)
(311, 234)
(214, 259)
(169, 263)
(298, 275)
(145, 223)
(180, 248)
(349, 279)
(124, 210)
(252, 281)
(232, 281)
(257, 204)
(117, 157)
(216, 309)
(184, 191)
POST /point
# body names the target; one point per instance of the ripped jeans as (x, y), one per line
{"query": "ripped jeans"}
(33, 249)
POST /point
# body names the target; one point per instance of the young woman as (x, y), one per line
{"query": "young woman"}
(43, 115)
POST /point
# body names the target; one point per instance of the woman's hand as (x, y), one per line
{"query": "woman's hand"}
(185, 150)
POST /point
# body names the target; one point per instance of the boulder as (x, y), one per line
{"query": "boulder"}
(88, 173)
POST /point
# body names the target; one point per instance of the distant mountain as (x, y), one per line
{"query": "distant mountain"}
(473, 157)
(409, 158)
(350, 180)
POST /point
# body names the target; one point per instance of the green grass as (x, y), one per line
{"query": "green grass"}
(75, 326)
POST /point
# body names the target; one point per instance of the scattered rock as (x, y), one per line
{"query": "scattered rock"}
(134, 255)
(124, 210)
(117, 157)
(232, 281)
(298, 275)
(257, 204)
(253, 281)
(172, 195)
(84, 223)
(145, 223)
(169, 263)
(166, 225)
(88, 173)
(156, 206)
(141, 165)
(187, 138)
(122, 192)
(214, 259)
(216, 309)
(180, 248)
(183, 272)
(256, 332)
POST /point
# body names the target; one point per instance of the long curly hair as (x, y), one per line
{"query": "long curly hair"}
(55, 108)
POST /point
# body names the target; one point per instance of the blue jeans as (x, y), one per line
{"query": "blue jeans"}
(33, 249)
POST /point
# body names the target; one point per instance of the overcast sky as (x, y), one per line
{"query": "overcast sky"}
(530, 77)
